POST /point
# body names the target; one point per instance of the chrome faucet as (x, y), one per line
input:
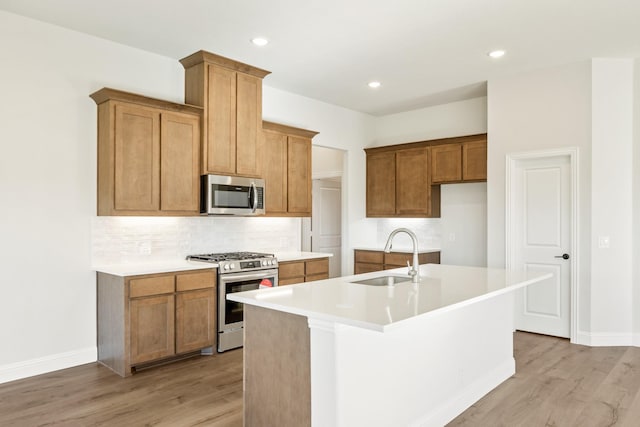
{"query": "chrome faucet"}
(413, 271)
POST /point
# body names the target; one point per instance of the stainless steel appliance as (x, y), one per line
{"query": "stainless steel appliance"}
(231, 195)
(237, 272)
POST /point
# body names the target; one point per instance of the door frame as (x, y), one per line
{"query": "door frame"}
(512, 161)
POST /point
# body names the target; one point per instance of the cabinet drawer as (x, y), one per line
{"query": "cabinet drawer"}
(288, 270)
(151, 286)
(320, 276)
(372, 257)
(318, 266)
(290, 281)
(398, 259)
(363, 267)
(199, 280)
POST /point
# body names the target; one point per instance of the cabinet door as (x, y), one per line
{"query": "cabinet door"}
(381, 184)
(274, 172)
(299, 176)
(195, 320)
(179, 167)
(474, 161)
(137, 158)
(152, 325)
(220, 147)
(446, 163)
(248, 124)
(413, 187)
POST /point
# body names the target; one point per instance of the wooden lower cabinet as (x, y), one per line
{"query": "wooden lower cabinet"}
(195, 320)
(290, 272)
(144, 319)
(367, 261)
(152, 322)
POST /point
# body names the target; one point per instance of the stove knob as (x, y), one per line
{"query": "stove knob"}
(226, 266)
(264, 262)
(232, 266)
(271, 262)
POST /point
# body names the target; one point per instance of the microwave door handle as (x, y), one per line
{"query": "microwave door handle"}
(254, 197)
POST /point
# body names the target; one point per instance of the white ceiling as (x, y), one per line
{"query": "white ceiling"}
(425, 52)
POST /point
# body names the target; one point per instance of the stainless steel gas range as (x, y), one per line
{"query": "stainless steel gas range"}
(237, 272)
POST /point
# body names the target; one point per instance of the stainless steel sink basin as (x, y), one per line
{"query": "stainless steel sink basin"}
(384, 280)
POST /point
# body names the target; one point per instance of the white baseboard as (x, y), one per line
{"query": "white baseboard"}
(608, 339)
(469, 395)
(42, 365)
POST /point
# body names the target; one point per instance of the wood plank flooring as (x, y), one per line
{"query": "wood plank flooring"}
(557, 384)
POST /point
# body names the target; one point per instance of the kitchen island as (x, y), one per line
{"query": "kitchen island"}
(338, 353)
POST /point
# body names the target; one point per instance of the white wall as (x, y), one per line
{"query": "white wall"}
(586, 105)
(611, 199)
(48, 182)
(48, 175)
(442, 121)
(636, 204)
(464, 224)
(545, 109)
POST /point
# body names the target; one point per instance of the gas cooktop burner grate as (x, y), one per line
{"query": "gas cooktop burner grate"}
(229, 256)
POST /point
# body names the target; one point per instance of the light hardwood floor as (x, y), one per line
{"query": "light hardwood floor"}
(556, 384)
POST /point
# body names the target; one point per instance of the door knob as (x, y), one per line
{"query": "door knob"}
(563, 256)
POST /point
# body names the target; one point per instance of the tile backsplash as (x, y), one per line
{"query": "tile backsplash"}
(427, 230)
(118, 240)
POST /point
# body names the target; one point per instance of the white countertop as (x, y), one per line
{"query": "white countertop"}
(298, 256)
(165, 266)
(408, 249)
(135, 269)
(381, 308)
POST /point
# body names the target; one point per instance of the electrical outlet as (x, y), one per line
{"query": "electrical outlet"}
(144, 248)
(603, 242)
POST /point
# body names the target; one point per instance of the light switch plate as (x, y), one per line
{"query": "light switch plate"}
(603, 242)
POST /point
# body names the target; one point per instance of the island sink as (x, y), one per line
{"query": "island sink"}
(384, 280)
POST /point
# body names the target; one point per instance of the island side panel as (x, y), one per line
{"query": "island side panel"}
(277, 388)
(422, 373)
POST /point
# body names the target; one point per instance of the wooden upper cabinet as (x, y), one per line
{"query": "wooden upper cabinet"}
(299, 175)
(274, 172)
(465, 161)
(136, 158)
(446, 163)
(231, 94)
(413, 189)
(219, 150)
(286, 168)
(399, 184)
(474, 161)
(148, 152)
(179, 162)
(381, 184)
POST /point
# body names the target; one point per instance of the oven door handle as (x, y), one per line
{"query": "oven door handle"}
(233, 277)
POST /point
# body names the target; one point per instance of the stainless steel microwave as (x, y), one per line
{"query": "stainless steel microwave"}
(231, 195)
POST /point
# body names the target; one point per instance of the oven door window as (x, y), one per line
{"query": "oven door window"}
(233, 310)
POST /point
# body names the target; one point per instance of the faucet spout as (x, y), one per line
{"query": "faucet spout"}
(413, 271)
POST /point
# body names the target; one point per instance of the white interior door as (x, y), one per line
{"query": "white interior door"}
(541, 220)
(326, 220)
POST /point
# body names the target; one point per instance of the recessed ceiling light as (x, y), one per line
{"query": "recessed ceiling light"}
(259, 41)
(496, 53)
(374, 85)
